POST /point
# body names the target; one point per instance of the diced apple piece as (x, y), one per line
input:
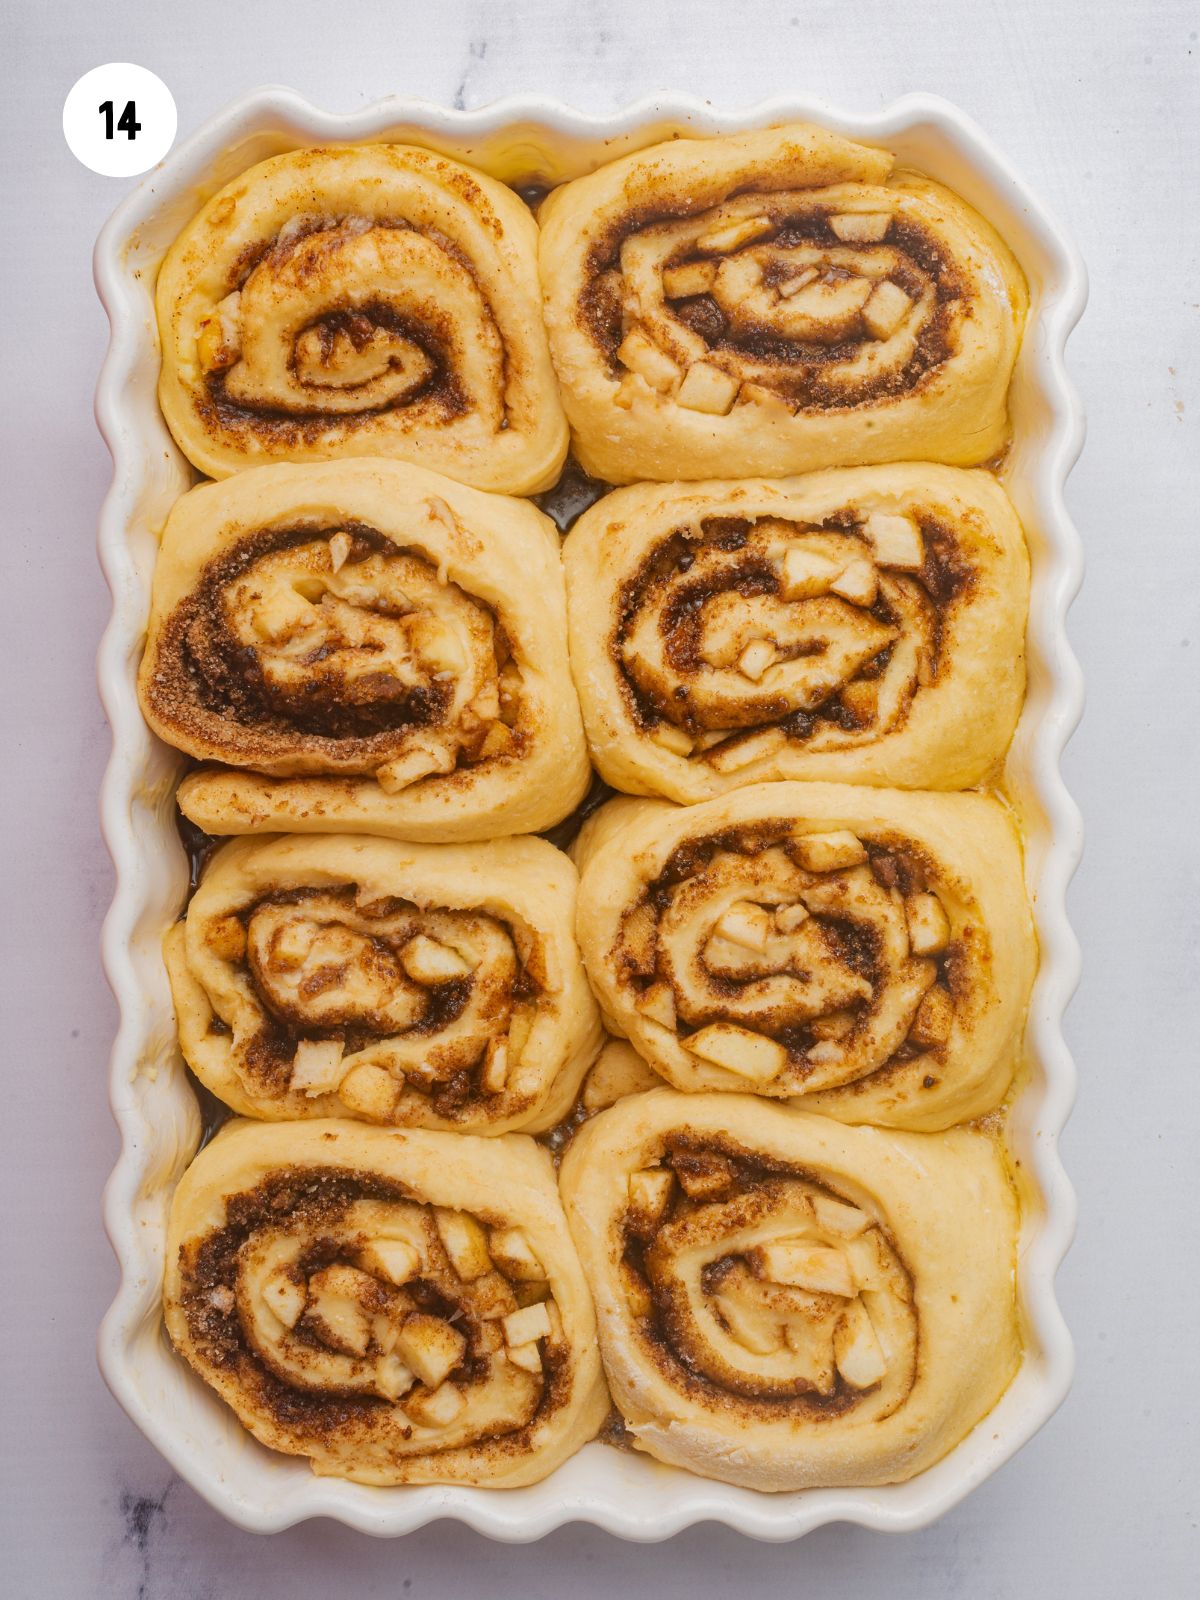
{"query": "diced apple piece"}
(833, 1025)
(650, 1189)
(835, 1216)
(226, 938)
(750, 1055)
(825, 1053)
(732, 234)
(928, 927)
(867, 1265)
(668, 737)
(492, 1296)
(636, 1291)
(857, 582)
(339, 550)
(934, 1018)
(431, 1347)
(497, 741)
(317, 1066)
(804, 1266)
(285, 1297)
(745, 924)
(744, 752)
(861, 699)
(658, 1003)
(861, 227)
(856, 1348)
(513, 1254)
(829, 852)
(385, 1331)
(337, 1297)
(789, 918)
(642, 356)
(393, 1260)
(393, 1378)
(769, 401)
(526, 1356)
(435, 1407)
(420, 762)
(807, 573)
(897, 540)
(429, 961)
(706, 388)
(489, 1337)
(791, 286)
(494, 1075)
(704, 1174)
(371, 1090)
(693, 277)
(530, 1322)
(465, 1243)
(886, 309)
(754, 660)
(749, 1327)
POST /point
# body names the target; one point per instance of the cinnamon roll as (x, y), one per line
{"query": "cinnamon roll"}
(785, 1303)
(771, 303)
(434, 986)
(865, 625)
(397, 1307)
(369, 301)
(365, 647)
(868, 952)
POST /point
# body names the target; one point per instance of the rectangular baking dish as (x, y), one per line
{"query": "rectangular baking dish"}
(531, 140)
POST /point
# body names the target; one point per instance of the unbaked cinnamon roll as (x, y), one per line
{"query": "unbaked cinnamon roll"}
(366, 647)
(434, 986)
(369, 301)
(868, 952)
(397, 1307)
(786, 1303)
(771, 303)
(864, 625)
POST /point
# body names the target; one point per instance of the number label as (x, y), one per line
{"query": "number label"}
(127, 123)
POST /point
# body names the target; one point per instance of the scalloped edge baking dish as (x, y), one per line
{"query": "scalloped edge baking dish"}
(523, 140)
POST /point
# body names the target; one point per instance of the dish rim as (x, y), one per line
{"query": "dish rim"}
(156, 1127)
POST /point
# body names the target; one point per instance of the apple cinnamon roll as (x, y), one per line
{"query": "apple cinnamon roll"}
(771, 303)
(433, 986)
(364, 647)
(785, 1303)
(370, 301)
(868, 952)
(864, 625)
(397, 1307)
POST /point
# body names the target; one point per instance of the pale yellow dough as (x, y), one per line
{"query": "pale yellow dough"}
(344, 1364)
(290, 599)
(685, 697)
(816, 1305)
(376, 300)
(433, 986)
(775, 302)
(866, 952)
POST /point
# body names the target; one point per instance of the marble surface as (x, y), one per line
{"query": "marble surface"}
(1097, 103)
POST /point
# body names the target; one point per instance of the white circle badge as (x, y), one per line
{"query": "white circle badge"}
(120, 119)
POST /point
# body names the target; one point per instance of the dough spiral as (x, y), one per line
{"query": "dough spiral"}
(868, 952)
(771, 303)
(865, 624)
(434, 986)
(363, 646)
(375, 300)
(787, 1303)
(397, 1307)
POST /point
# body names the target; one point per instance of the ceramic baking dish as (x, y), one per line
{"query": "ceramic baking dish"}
(524, 141)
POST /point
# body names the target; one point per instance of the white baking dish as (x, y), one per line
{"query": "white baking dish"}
(522, 141)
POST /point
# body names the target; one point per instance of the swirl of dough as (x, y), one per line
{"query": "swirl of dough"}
(786, 1303)
(864, 624)
(866, 951)
(397, 1307)
(364, 646)
(377, 300)
(775, 302)
(433, 986)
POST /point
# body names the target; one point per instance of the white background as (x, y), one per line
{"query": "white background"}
(1097, 103)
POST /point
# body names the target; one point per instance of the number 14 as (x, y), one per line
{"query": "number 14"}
(127, 123)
